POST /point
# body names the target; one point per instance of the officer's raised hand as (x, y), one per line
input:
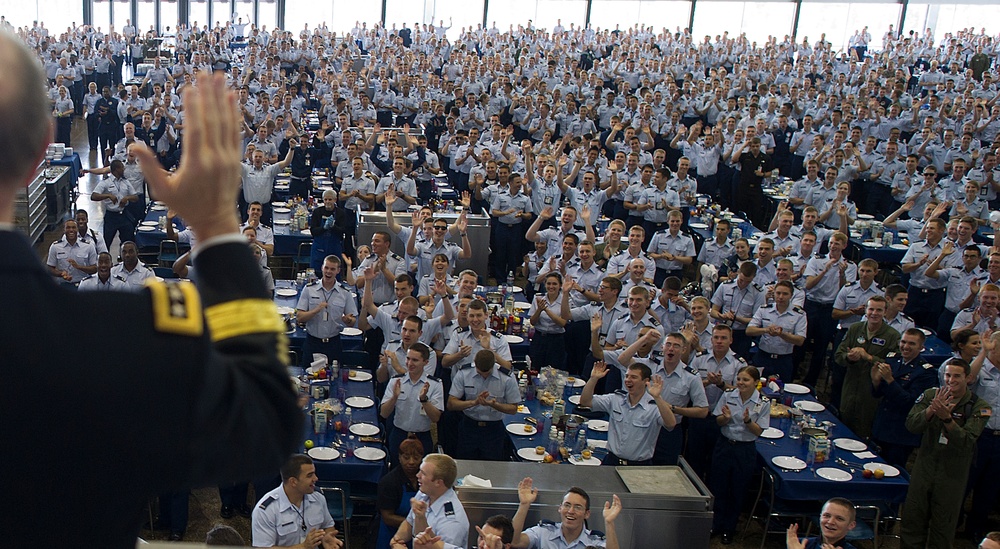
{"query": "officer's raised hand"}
(599, 370)
(526, 492)
(596, 322)
(612, 508)
(204, 188)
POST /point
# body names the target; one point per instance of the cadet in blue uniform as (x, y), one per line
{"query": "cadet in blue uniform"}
(682, 388)
(781, 328)
(898, 381)
(548, 347)
(634, 415)
(734, 304)
(825, 275)
(717, 367)
(326, 308)
(984, 479)
(294, 513)
(836, 519)
(927, 295)
(436, 506)
(417, 400)
(483, 394)
(742, 415)
(571, 531)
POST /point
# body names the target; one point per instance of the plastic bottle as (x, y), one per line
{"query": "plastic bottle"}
(581, 440)
(553, 448)
(348, 415)
(571, 431)
(508, 304)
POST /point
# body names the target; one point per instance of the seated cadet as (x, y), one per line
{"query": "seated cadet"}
(103, 279)
(325, 307)
(982, 319)
(483, 394)
(898, 382)
(836, 519)
(496, 533)
(734, 304)
(571, 531)
(781, 327)
(634, 415)
(435, 506)
(131, 270)
(294, 514)
(416, 398)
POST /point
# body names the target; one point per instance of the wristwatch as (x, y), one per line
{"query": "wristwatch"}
(422, 399)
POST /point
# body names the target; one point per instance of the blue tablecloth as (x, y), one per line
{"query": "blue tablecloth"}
(536, 410)
(75, 166)
(347, 468)
(874, 250)
(806, 485)
(150, 240)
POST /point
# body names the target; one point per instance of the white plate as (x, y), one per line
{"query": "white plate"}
(926, 332)
(850, 444)
(796, 389)
(149, 223)
(522, 305)
(305, 232)
(323, 453)
(575, 399)
(364, 429)
(277, 205)
(518, 429)
(360, 375)
(832, 473)
(697, 225)
(359, 402)
(517, 289)
(349, 331)
(809, 406)
(281, 210)
(592, 461)
(282, 222)
(158, 208)
(889, 470)
(368, 453)
(866, 216)
(522, 409)
(739, 220)
(513, 339)
(286, 292)
(598, 425)
(772, 433)
(899, 247)
(285, 310)
(789, 462)
(146, 228)
(594, 443)
(575, 382)
(528, 454)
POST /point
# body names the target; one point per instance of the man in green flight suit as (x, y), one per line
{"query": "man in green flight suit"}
(866, 344)
(951, 419)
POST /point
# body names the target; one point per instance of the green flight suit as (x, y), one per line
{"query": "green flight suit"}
(937, 484)
(857, 404)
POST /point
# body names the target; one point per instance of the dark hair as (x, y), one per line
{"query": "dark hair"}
(421, 349)
(961, 339)
(417, 319)
(644, 372)
(751, 371)
(220, 534)
(412, 444)
(955, 361)
(580, 492)
(892, 290)
(672, 283)
(502, 523)
(293, 466)
(843, 502)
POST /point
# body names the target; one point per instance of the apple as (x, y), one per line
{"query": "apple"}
(321, 374)
(866, 473)
(879, 473)
(309, 444)
(548, 458)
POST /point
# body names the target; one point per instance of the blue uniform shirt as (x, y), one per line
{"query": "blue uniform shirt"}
(277, 523)
(760, 413)
(632, 429)
(468, 383)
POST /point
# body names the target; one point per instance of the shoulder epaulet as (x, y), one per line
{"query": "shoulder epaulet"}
(434, 378)
(768, 306)
(653, 320)
(464, 367)
(890, 354)
(394, 255)
(907, 317)
(819, 256)
(397, 376)
(119, 277)
(495, 333)
(731, 389)
(620, 253)
(849, 284)
(88, 277)
(177, 310)
(730, 281)
(313, 283)
(621, 392)
(546, 523)
(758, 286)
(701, 353)
(690, 369)
(597, 534)
(147, 267)
(970, 309)
(460, 330)
(928, 366)
(798, 309)
(267, 501)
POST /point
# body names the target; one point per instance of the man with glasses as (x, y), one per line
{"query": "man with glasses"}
(571, 531)
(425, 251)
(922, 193)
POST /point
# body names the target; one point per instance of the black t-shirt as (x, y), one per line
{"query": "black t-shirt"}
(390, 489)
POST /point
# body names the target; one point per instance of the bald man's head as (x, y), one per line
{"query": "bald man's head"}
(24, 109)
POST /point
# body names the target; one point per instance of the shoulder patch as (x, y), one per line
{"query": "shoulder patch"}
(267, 501)
(546, 523)
(798, 309)
(177, 307)
(433, 378)
(928, 366)
(690, 369)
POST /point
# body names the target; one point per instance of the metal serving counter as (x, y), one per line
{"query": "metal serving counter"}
(668, 507)
(479, 236)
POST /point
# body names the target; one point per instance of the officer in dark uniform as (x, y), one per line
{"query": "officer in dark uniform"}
(951, 418)
(898, 381)
(211, 356)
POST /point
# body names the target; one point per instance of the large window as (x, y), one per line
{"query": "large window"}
(299, 13)
(222, 11)
(198, 14)
(757, 20)
(839, 21)
(121, 14)
(168, 17)
(267, 15)
(244, 10)
(406, 12)
(544, 14)
(462, 13)
(950, 18)
(147, 17)
(346, 13)
(607, 14)
(102, 15)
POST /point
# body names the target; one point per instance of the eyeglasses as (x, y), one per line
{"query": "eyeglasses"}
(445, 228)
(929, 174)
(573, 506)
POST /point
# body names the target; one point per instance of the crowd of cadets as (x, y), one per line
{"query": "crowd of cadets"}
(553, 133)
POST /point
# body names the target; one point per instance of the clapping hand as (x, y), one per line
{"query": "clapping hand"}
(426, 539)
(943, 403)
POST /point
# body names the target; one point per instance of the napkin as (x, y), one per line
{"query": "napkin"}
(864, 455)
(473, 480)
(317, 365)
(597, 443)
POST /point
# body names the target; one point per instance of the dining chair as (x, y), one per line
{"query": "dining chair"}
(338, 501)
(303, 258)
(169, 252)
(775, 508)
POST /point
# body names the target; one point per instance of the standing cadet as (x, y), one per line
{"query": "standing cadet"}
(781, 328)
(926, 295)
(951, 419)
(717, 367)
(865, 345)
(483, 394)
(957, 295)
(671, 249)
(416, 398)
(984, 480)
(510, 210)
(825, 276)
(682, 388)
(326, 308)
(742, 415)
(898, 381)
(734, 304)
